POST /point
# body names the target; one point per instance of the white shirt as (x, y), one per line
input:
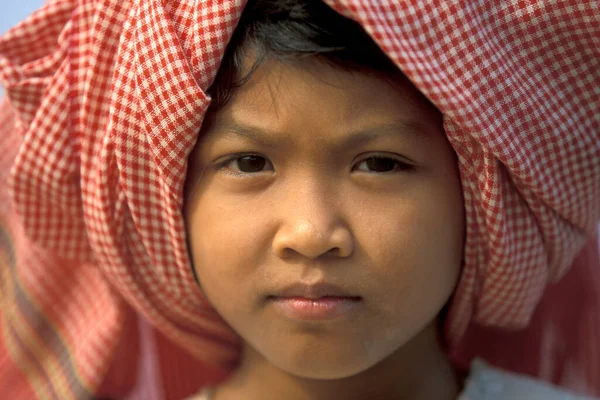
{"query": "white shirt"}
(488, 383)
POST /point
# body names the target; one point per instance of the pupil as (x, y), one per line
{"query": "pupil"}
(381, 164)
(251, 163)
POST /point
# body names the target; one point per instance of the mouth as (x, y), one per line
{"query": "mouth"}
(316, 302)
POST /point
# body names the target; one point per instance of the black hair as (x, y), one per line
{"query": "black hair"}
(290, 31)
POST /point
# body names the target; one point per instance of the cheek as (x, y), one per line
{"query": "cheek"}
(225, 244)
(416, 250)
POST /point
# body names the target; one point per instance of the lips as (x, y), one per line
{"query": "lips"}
(315, 302)
(313, 291)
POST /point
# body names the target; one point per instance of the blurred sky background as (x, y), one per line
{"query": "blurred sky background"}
(14, 11)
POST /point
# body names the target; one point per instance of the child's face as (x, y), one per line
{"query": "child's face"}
(285, 194)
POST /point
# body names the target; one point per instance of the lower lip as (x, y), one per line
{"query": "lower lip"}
(323, 308)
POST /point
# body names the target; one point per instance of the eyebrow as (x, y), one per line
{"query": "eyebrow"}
(409, 129)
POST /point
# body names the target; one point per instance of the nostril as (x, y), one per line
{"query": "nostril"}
(304, 239)
(289, 253)
(334, 251)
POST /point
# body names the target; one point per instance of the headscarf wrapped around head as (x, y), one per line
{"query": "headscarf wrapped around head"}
(104, 101)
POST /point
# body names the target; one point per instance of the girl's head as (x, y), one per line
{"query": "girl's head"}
(321, 172)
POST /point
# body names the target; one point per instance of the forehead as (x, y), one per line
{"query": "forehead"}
(288, 80)
(283, 97)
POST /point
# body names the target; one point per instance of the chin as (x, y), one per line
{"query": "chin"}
(324, 365)
(325, 372)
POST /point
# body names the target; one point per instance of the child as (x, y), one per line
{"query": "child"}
(354, 232)
(316, 184)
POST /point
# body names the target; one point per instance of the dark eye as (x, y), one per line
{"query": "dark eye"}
(251, 163)
(247, 164)
(381, 164)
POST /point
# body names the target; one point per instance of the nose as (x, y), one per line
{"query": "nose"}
(312, 232)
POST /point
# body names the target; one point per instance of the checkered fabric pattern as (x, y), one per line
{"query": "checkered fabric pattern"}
(104, 103)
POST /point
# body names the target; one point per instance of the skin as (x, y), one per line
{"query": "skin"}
(319, 211)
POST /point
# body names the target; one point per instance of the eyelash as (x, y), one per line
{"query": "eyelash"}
(400, 166)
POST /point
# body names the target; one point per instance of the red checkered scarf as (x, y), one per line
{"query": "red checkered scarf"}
(104, 104)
